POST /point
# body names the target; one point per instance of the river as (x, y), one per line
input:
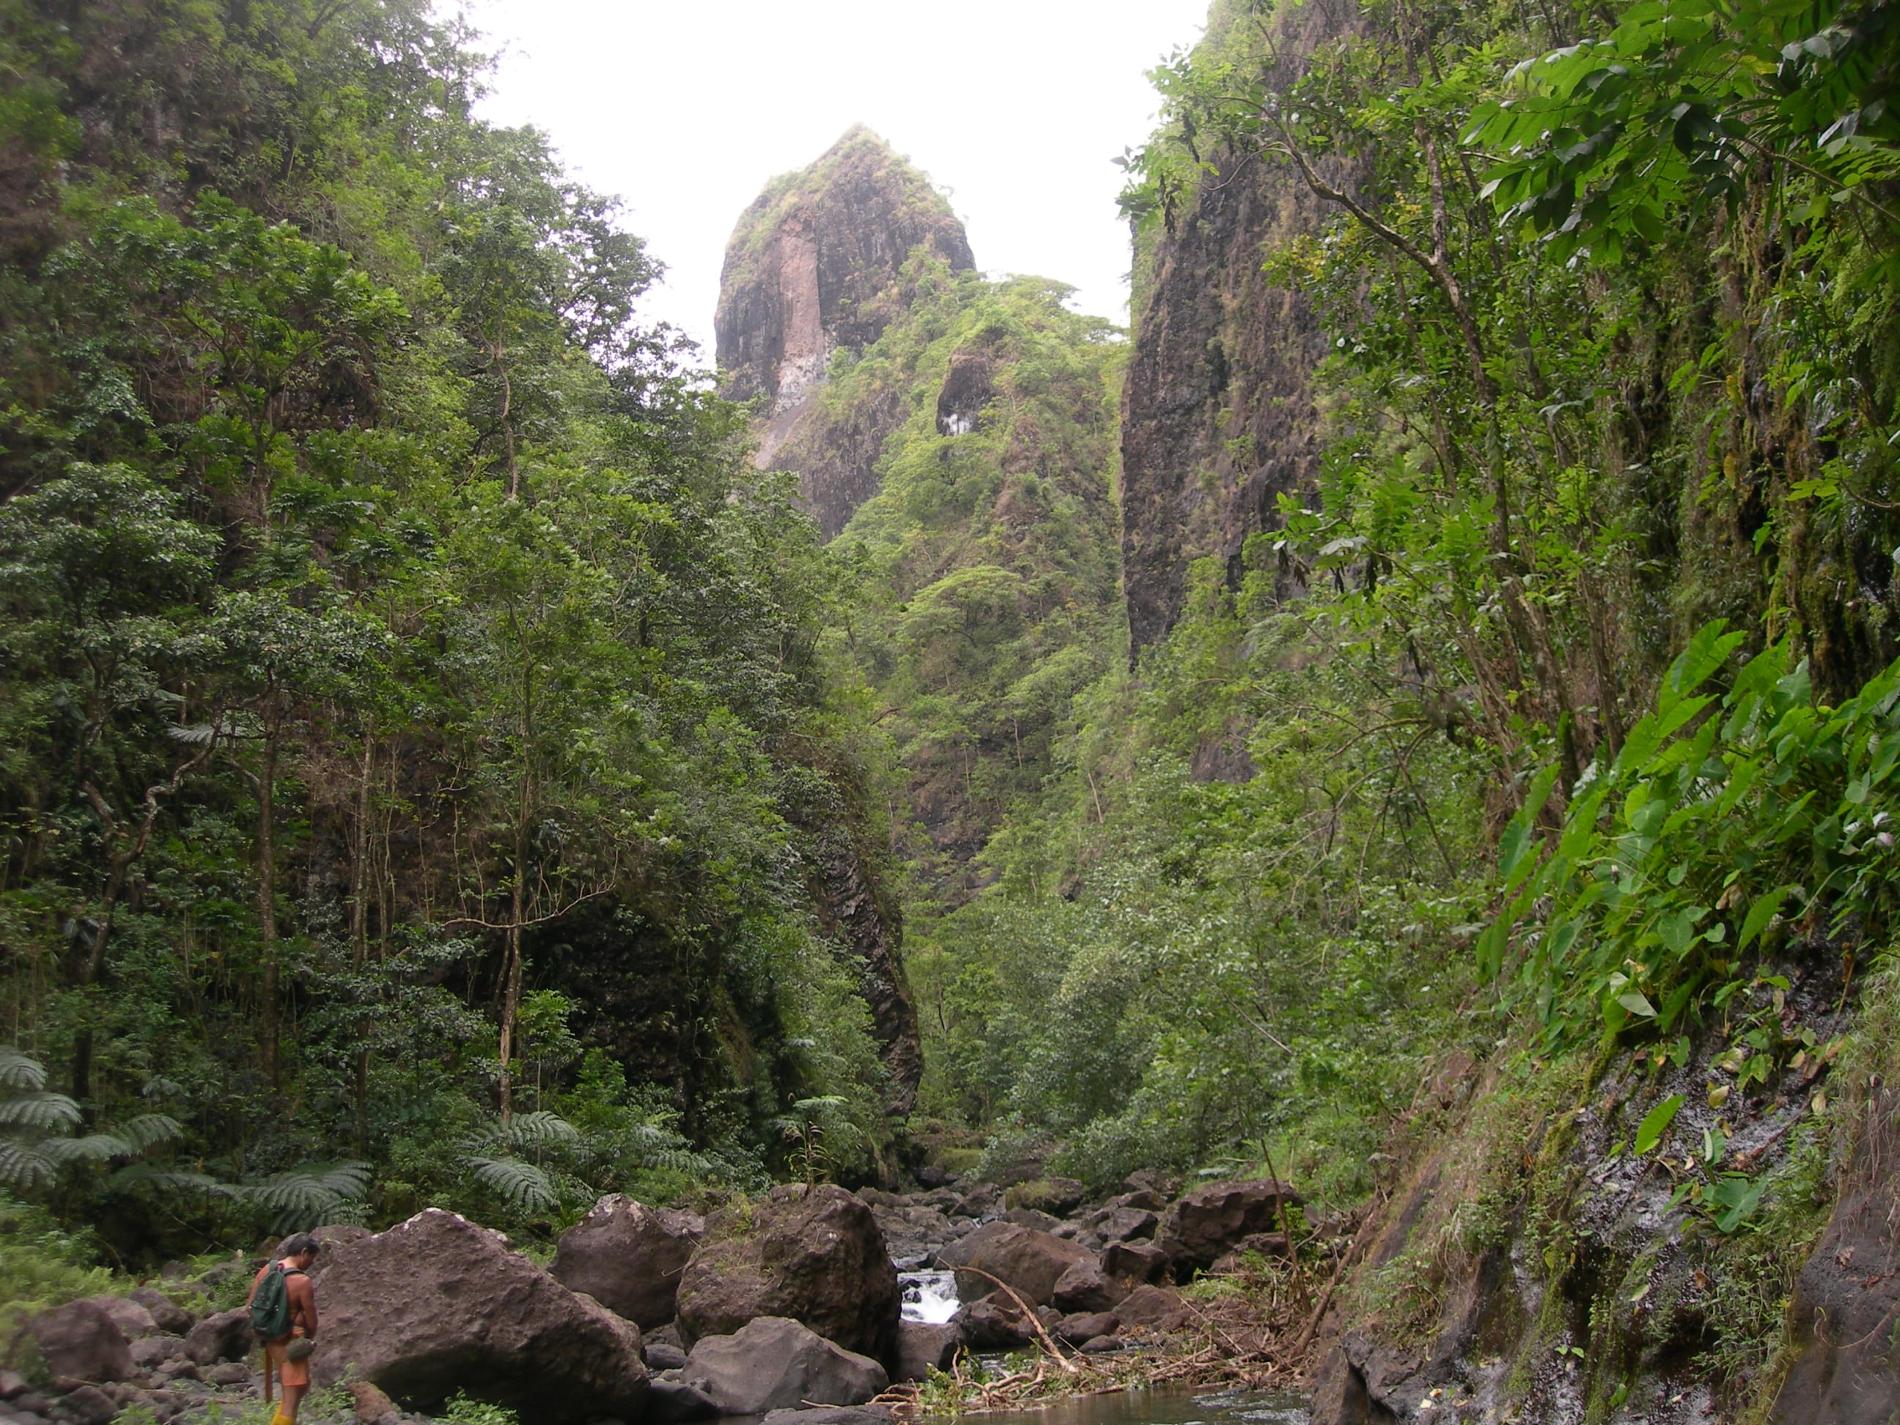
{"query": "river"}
(932, 1296)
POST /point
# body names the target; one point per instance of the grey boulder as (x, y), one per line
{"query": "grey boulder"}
(437, 1305)
(629, 1257)
(81, 1342)
(775, 1363)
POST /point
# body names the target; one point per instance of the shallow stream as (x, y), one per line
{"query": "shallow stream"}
(1162, 1407)
(932, 1296)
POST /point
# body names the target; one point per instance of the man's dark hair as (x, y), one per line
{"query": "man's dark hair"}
(298, 1243)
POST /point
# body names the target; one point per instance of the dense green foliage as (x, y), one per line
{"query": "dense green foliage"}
(1559, 439)
(985, 591)
(413, 723)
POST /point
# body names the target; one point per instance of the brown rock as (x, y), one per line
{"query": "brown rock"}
(1153, 1308)
(775, 1363)
(1083, 1327)
(89, 1405)
(815, 1256)
(224, 1336)
(1029, 1261)
(1212, 1219)
(371, 1405)
(1275, 1246)
(1085, 1287)
(167, 1315)
(1218, 409)
(438, 1305)
(629, 1257)
(1847, 1296)
(81, 1341)
(926, 1346)
(131, 1317)
(1135, 1261)
(996, 1324)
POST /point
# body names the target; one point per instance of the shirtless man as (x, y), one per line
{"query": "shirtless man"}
(293, 1371)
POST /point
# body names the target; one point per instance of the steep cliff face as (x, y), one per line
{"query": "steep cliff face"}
(1218, 416)
(814, 267)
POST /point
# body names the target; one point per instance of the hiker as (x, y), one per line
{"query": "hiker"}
(283, 1308)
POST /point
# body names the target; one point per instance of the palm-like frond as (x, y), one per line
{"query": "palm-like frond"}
(20, 1073)
(148, 1130)
(521, 1185)
(540, 1129)
(38, 1112)
(24, 1167)
(309, 1196)
(174, 1180)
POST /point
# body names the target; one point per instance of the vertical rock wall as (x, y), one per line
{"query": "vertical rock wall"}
(815, 266)
(1217, 415)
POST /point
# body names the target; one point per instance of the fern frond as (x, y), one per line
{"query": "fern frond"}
(20, 1073)
(42, 1113)
(541, 1128)
(148, 1130)
(521, 1185)
(24, 1167)
(93, 1148)
(172, 1180)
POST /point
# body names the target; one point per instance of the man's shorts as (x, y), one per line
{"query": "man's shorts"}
(288, 1371)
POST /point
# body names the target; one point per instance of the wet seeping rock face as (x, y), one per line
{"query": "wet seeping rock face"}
(814, 267)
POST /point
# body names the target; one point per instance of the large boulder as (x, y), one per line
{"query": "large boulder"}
(814, 1255)
(1152, 1308)
(926, 1346)
(132, 1318)
(775, 1363)
(1085, 1287)
(167, 1315)
(1210, 1220)
(438, 1305)
(1135, 1261)
(222, 1336)
(82, 1342)
(1031, 1262)
(629, 1257)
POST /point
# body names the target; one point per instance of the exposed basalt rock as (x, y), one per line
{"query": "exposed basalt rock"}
(1030, 1262)
(1528, 1266)
(1218, 416)
(438, 1305)
(82, 1342)
(926, 1346)
(813, 1255)
(1213, 1220)
(862, 917)
(629, 1257)
(1847, 1298)
(774, 1363)
(812, 268)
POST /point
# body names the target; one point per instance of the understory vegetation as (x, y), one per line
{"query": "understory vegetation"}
(414, 734)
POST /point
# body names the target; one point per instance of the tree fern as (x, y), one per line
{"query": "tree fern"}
(20, 1073)
(39, 1112)
(309, 1196)
(541, 1129)
(521, 1185)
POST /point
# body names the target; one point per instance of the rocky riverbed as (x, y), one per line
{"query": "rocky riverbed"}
(787, 1307)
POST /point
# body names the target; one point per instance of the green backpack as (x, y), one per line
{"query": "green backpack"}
(270, 1304)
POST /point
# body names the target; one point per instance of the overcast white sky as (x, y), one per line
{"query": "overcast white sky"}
(1015, 107)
